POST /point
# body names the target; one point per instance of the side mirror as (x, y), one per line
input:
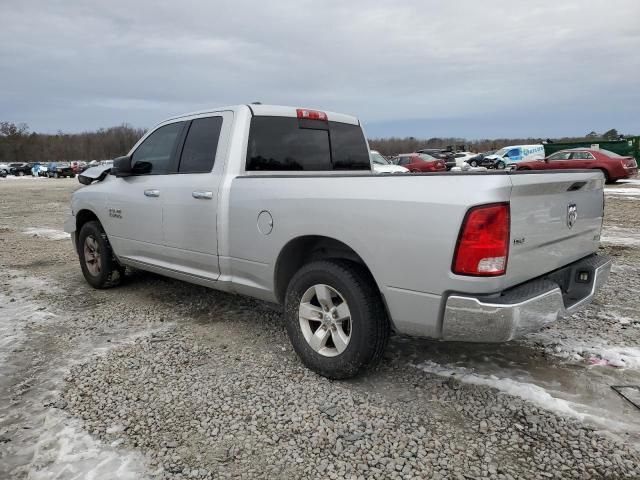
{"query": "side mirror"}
(121, 167)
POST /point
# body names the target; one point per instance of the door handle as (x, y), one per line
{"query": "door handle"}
(152, 193)
(202, 195)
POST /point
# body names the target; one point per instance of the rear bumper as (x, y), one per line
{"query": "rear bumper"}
(527, 307)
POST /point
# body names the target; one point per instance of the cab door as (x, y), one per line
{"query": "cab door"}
(133, 204)
(190, 200)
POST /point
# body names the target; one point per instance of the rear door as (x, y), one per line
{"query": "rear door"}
(580, 160)
(190, 198)
(133, 206)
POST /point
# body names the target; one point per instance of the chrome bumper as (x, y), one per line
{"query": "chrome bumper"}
(525, 308)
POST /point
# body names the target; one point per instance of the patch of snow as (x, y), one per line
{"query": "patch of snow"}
(535, 394)
(629, 192)
(64, 451)
(48, 233)
(24, 177)
(620, 236)
(631, 181)
(611, 355)
(54, 445)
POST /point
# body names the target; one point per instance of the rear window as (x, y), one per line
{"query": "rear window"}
(426, 157)
(609, 153)
(289, 144)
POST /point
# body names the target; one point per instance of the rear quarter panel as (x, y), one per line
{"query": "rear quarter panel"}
(405, 229)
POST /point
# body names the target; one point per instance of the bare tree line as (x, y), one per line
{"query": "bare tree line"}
(395, 145)
(18, 144)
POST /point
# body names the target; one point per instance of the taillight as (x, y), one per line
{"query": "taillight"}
(305, 114)
(483, 244)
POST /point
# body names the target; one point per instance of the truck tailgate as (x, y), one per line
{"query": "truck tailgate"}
(556, 218)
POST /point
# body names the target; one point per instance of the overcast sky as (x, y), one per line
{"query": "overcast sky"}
(489, 68)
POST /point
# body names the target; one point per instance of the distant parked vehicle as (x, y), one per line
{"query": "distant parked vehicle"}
(509, 156)
(35, 169)
(60, 170)
(43, 170)
(462, 157)
(481, 160)
(4, 170)
(445, 155)
(420, 162)
(19, 169)
(614, 167)
(79, 167)
(382, 165)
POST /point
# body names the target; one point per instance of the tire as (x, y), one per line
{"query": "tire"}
(20, 174)
(368, 325)
(501, 165)
(473, 163)
(103, 272)
(55, 175)
(73, 175)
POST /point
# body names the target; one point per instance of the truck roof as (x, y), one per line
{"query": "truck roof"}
(270, 111)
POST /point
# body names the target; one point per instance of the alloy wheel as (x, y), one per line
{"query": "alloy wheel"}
(325, 320)
(92, 255)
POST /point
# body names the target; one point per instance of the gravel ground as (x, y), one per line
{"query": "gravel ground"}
(173, 381)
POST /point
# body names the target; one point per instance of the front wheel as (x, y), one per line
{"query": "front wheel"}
(500, 165)
(473, 163)
(99, 267)
(335, 318)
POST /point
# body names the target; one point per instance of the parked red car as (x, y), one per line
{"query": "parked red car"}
(420, 162)
(615, 167)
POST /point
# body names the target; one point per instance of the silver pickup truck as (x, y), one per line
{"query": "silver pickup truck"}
(280, 203)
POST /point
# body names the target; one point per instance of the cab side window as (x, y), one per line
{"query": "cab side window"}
(560, 156)
(199, 151)
(154, 155)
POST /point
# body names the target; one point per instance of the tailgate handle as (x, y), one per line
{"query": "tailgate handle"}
(202, 195)
(152, 193)
(576, 186)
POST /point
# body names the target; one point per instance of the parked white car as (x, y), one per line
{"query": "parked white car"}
(462, 157)
(382, 165)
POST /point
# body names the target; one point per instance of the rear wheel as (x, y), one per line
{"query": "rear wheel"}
(335, 318)
(99, 266)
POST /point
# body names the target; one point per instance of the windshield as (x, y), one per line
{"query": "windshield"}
(502, 151)
(426, 157)
(378, 159)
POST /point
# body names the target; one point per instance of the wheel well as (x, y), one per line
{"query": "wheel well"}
(604, 171)
(303, 250)
(82, 217)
